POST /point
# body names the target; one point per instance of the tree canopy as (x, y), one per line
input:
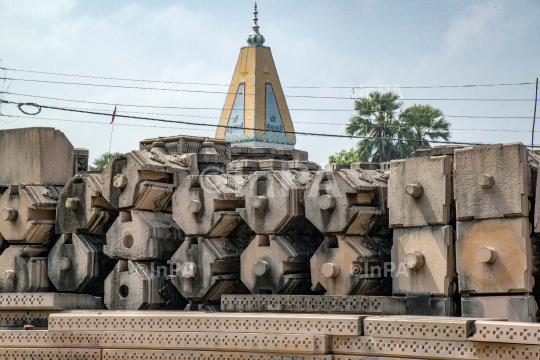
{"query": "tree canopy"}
(101, 161)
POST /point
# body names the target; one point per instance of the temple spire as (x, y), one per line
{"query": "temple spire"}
(255, 39)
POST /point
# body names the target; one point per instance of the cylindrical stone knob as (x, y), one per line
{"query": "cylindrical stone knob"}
(65, 263)
(120, 181)
(8, 214)
(486, 181)
(259, 202)
(194, 206)
(486, 254)
(261, 267)
(414, 260)
(188, 270)
(327, 202)
(9, 274)
(73, 203)
(414, 190)
(330, 270)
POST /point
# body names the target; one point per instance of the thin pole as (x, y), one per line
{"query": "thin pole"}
(534, 117)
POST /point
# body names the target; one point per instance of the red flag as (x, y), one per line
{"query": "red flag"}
(114, 113)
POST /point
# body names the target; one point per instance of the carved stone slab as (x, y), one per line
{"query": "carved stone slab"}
(420, 191)
(48, 301)
(349, 347)
(513, 308)
(134, 285)
(194, 263)
(346, 201)
(136, 354)
(217, 341)
(27, 214)
(82, 208)
(411, 327)
(206, 205)
(24, 353)
(352, 265)
(143, 235)
(46, 153)
(23, 268)
(17, 319)
(423, 260)
(494, 256)
(506, 332)
(200, 322)
(24, 338)
(491, 181)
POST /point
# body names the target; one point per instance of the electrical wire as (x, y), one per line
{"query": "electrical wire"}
(292, 87)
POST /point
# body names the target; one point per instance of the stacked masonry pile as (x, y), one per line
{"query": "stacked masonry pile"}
(36, 163)
(163, 335)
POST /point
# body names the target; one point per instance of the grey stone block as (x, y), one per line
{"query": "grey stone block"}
(23, 268)
(420, 191)
(134, 285)
(205, 268)
(143, 235)
(35, 156)
(347, 201)
(82, 208)
(47, 301)
(494, 256)
(352, 265)
(28, 213)
(491, 181)
(206, 205)
(521, 308)
(423, 261)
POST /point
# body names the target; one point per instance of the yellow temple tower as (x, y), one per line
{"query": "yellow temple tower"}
(255, 111)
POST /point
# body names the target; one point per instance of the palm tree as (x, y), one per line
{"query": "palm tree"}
(425, 122)
(377, 120)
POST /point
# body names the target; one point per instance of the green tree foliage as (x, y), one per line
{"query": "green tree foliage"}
(391, 132)
(101, 161)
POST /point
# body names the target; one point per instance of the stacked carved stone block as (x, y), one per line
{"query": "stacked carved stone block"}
(495, 243)
(420, 201)
(349, 206)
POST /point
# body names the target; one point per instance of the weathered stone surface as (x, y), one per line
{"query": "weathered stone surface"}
(420, 191)
(46, 153)
(206, 205)
(347, 201)
(50, 353)
(494, 256)
(27, 213)
(506, 332)
(491, 181)
(48, 301)
(412, 327)
(248, 167)
(77, 264)
(185, 144)
(82, 208)
(423, 261)
(277, 264)
(23, 268)
(436, 151)
(205, 268)
(217, 341)
(174, 321)
(521, 308)
(134, 285)
(273, 202)
(145, 180)
(17, 319)
(24, 338)
(350, 347)
(352, 265)
(240, 152)
(143, 235)
(132, 354)
(80, 162)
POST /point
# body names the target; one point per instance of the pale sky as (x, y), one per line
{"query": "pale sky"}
(392, 44)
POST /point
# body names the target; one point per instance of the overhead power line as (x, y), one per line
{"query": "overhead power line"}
(292, 87)
(233, 93)
(199, 108)
(226, 126)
